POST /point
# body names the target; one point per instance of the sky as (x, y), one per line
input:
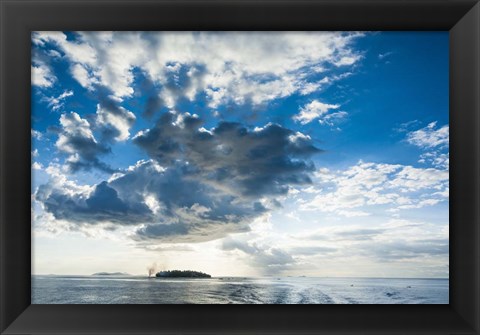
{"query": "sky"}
(321, 154)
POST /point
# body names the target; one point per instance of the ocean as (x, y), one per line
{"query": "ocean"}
(234, 290)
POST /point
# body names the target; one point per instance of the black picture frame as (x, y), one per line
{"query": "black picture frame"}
(19, 17)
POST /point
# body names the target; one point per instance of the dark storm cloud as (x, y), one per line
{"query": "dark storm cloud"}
(250, 163)
(102, 205)
(94, 163)
(199, 185)
(188, 209)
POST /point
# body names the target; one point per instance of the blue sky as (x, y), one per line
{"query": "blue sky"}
(322, 153)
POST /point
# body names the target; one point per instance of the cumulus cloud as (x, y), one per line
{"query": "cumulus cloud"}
(199, 184)
(42, 76)
(115, 121)
(317, 110)
(76, 139)
(225, 68)
(259, 162)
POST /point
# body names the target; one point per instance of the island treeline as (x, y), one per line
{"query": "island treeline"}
(182, 274)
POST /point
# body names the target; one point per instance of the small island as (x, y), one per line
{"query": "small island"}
(182, 274)
(111, 274)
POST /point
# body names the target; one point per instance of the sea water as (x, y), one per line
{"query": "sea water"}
(231, 290)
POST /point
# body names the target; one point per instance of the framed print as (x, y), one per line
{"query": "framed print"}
(240, 167)
(162, 158)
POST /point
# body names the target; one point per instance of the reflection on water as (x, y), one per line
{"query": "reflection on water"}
(289, 290)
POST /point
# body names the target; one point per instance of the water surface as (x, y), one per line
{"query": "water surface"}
(228, 290)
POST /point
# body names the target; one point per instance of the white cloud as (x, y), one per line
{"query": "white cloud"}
(435, 142)
(353, 191)
(37, 166)
(73, 125)
(227, 67)
(314, 110)
(410, 179)
(42, 76)
(430, 136)
(57, 102)
(36, 134)
(347, 60)
(83, 77)
(436, 158)
(333, 118)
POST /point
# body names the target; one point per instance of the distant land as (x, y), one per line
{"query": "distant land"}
(182, 274)
(111, 274)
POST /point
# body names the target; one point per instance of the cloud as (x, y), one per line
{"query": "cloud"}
(312, 250)
(436, 158)
(430, 136)
(392, 242)
(225, 68)
(406, 126)
(37, 166)
(186, 210)
(57, 102)
(333, 118)
(42, 76)
(359, 234)
(76, 139)
(231, 157)
(435, 142)
(385, 55)
(316, 110)
(267, 260)
(100, 206)
(83, 77)
(347, 60)
(36, 134)
(410, 179)
(115, 121)
(345, 234)
(407, 250)
(370, 184)
(200, 185)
